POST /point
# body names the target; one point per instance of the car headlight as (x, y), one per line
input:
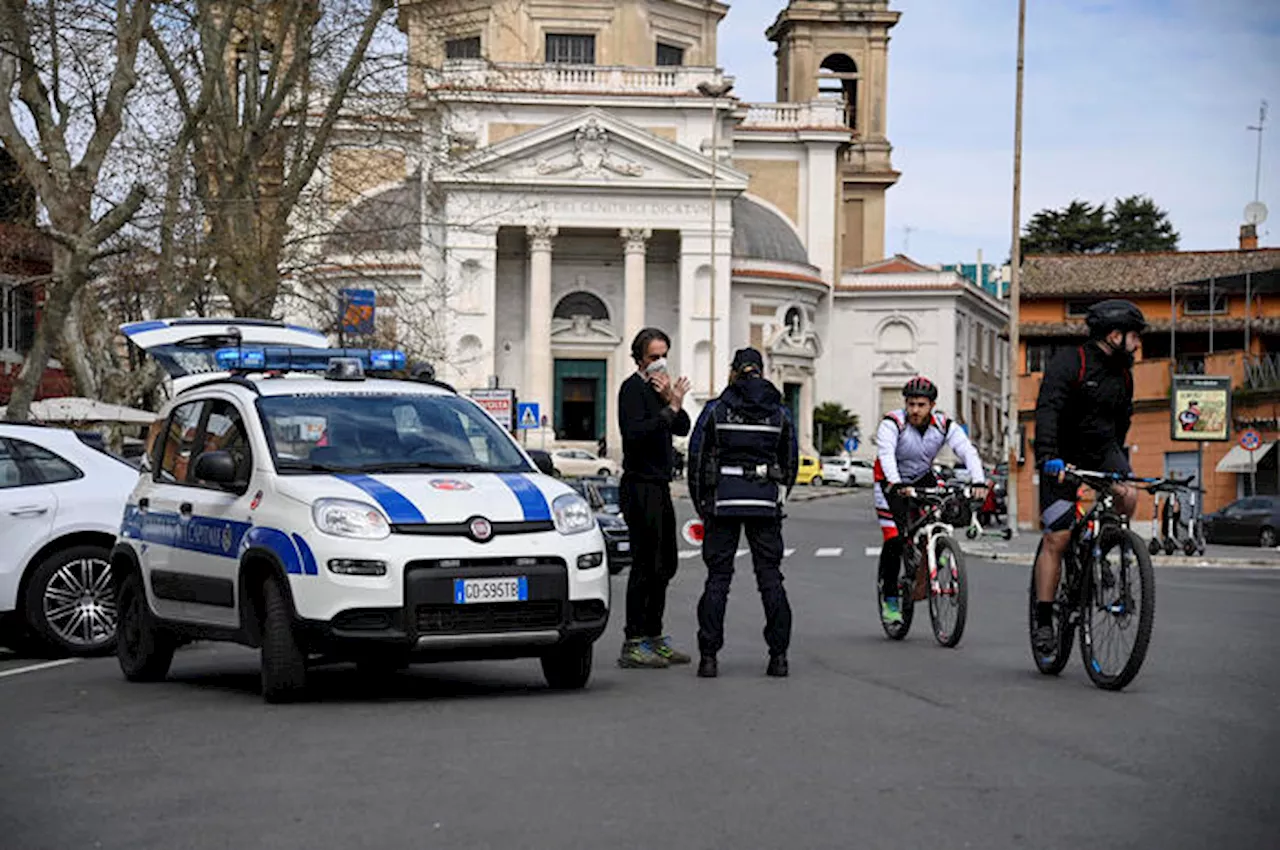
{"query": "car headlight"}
(572, 514)
(345, 518)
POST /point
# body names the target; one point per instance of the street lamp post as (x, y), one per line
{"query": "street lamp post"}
(1015, 280)
(714, 90)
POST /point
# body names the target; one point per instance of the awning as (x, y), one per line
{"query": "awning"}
(77, 409)
(1239, 460)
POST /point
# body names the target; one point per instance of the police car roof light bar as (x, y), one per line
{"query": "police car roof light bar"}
(284, 359)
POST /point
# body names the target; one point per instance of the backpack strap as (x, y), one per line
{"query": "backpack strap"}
(900, 421)
(1080, 374)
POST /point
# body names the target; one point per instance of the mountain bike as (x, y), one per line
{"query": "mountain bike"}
(928, 541)
(1106, 588)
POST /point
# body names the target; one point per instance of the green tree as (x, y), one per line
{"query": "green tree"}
(834, 419)
(1138, 225)
(1133, 224)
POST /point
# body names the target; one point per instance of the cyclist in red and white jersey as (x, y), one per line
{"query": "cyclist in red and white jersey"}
(907, 442)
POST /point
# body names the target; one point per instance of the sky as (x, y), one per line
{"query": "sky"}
(1125, 97)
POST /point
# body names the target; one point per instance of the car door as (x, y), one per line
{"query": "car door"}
(208, 564)
(162, 529)
(27, 511)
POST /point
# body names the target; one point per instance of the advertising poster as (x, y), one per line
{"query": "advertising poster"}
(1201, 408)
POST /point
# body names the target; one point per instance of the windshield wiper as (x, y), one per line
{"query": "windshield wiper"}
(311, 466)
(416, 465)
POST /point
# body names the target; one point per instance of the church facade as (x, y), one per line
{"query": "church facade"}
(564, 173)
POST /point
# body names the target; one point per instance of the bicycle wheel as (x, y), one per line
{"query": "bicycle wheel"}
(897, 631)
(949, 595)
(1118, 601)
(1063, 626)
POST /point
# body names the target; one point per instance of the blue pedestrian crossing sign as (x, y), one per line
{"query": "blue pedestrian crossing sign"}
(527, 415)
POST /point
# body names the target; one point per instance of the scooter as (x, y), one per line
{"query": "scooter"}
(1168, 500)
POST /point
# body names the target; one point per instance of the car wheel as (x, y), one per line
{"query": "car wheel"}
(1267, 537)
(144, 652)
(817, 481)
(603, 472)
(284, 664)
(568, 667)
(70, 603)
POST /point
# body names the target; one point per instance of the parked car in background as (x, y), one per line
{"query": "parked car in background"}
(604, 496)
(61, 500)
(571, 462)
(1252, 521)
(810, 471)
(847, 472)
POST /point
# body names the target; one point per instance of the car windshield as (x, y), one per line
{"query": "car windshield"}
(385, 433)
(610, 495)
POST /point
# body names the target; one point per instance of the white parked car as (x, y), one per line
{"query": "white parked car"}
(847, 472)
(574, 462)
(61, 501)
(342, 516)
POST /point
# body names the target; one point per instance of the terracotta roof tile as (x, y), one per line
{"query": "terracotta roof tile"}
(1266, 324)
(1118, 274)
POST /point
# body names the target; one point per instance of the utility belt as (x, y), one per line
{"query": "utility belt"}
(770, 472)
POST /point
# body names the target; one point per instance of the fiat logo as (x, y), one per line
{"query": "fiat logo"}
(481, 529)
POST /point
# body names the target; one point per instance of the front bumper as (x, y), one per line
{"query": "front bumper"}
(412, 610)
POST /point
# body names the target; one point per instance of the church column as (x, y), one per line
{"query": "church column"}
(539, 368)
(635, 243)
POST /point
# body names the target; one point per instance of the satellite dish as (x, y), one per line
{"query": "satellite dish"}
(1255, 213)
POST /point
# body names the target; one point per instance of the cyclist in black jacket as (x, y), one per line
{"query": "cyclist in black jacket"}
(1082, 419)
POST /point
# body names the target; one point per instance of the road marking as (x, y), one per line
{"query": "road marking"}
(31, 668)
(688, 554)
(873, 551)
(833, 552)
(787, 553)
(741, 552)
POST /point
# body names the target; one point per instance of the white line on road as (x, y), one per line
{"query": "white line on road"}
(787, 553)
(833, 552)
(741, 552)
(873, 551)
(31, 668)
(687, 554)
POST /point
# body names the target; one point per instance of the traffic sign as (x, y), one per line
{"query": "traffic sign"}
(1250, 440)
(851, 444)
(528, 415)
(499, 402)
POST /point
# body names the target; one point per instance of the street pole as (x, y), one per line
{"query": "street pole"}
(1015, 278)
(715, 91)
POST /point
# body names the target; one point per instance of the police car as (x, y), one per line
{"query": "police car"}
(297, 504)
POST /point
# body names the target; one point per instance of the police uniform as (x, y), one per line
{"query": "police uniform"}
(743, 458)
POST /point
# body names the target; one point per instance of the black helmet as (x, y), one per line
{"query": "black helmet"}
(920, 387)
(1114, 314)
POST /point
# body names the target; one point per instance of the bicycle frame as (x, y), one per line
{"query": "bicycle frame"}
(926, 531)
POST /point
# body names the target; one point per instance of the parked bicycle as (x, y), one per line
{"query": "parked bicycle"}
(929, 541)
(1106, 588)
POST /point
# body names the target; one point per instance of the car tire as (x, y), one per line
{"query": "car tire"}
(1267, 537)
(817, 481)
(284, 664)
(63, 576)
(568, 667)
(144, 652)
(603, 472)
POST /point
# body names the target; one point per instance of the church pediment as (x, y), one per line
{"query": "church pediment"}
(590, 147)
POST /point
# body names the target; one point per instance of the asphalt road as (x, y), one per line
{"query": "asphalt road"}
(869, 744)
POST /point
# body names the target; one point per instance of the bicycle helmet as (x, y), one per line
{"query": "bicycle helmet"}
(1114, 314)
(920, 387)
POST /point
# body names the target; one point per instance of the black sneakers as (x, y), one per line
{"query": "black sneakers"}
(708, 668)
(1044, 641)
(777, 666)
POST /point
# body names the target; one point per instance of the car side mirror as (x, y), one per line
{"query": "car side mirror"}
(216, 468)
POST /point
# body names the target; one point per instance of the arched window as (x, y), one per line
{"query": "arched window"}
(897, 337)
(581, 304)
(838, 79)
(795, 323)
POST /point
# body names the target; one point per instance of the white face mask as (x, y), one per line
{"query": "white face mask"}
(659, 365)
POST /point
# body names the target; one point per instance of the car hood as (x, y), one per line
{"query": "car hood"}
(437, 497)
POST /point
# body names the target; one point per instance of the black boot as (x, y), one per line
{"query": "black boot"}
(708, 668)
(777, 666)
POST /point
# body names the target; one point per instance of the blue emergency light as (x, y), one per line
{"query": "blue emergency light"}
(305, 359)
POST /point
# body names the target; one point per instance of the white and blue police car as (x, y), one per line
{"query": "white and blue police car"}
(294, 503)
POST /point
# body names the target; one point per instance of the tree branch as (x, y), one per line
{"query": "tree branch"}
(129, 34)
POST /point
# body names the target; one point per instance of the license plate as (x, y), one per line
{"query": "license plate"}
(624, 546)
(467, 591)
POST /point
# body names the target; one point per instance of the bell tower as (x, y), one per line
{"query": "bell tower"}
(839, 49)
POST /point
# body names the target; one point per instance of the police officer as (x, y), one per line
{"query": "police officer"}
(742, 454)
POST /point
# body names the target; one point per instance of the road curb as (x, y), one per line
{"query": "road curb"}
(1160, 561)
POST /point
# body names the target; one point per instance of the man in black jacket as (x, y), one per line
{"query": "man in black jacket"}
(1082, 419)
(743, 456)
(650, 411)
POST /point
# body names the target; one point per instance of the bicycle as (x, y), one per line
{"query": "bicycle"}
(929, 537)
(1093, 595)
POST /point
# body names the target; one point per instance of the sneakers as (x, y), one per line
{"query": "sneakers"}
(1044, 641)
(777, 666)
(890, 612)
(662, 646)
(708, 668)
(639, 653)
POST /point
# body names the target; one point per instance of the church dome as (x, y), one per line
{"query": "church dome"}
(387, 222)
(761, 234)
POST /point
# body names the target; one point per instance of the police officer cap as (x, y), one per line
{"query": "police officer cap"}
(747, 360)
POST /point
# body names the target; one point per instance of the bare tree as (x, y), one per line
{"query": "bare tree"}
(59, 117)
